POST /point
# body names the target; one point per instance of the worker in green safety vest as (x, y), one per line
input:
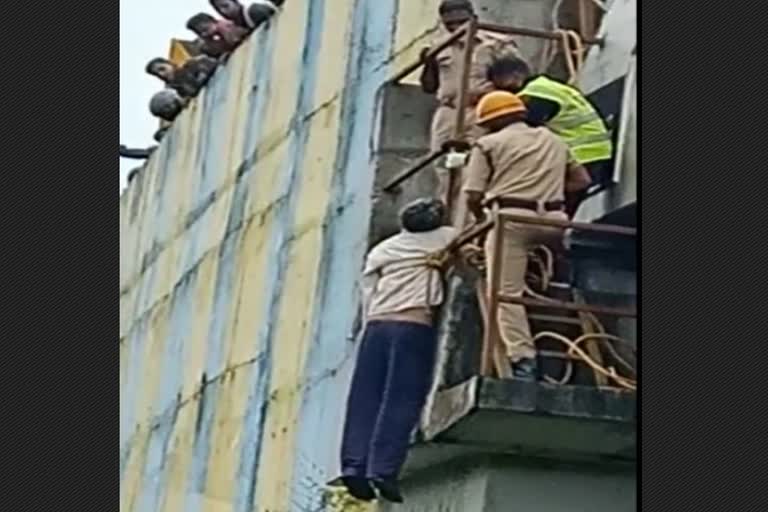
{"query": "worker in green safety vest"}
(566, 112)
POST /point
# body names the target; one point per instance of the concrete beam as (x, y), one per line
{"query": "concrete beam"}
(537, 419)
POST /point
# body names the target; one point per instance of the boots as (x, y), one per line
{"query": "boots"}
(359, 488)
(389, 490)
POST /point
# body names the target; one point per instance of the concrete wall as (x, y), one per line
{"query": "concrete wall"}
(245, 222)
(603, 67)
(505, 484)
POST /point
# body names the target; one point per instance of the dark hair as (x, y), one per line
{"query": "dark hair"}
(156, 62)
(198, 19)
(214, 4)
(508, 66)
(425, 214)
(447, 6)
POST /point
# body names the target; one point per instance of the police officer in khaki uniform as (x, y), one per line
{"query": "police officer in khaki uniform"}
(441, 75)
(520, 170)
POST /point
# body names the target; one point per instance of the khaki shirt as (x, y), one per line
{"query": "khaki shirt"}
(396, 278)
(488, 48)
(521, 162)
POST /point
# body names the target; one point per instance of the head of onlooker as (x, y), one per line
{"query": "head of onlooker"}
(161, 68)
(455, 13)
(509, 74)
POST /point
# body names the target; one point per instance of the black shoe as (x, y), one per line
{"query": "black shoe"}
(525, 369)
(389, 490)
(359, 487)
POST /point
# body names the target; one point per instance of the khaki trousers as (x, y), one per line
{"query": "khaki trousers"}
(443, 124)
(518, 241)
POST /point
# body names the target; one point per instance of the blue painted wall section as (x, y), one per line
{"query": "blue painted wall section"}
(345, 237)
(255, 409)
(281, 240)
(214, 366)
(219, 234)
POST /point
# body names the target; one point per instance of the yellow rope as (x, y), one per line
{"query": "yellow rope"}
(601, 330)
(547, 267)
(574, 349)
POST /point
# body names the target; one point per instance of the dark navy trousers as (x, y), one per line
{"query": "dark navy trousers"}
(390, 384)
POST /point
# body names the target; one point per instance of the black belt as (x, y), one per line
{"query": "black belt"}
(511, 202)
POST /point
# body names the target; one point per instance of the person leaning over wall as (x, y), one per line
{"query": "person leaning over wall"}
(251, 17)
(219, 37)
(187, 79)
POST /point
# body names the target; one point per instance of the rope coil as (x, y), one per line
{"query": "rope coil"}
(573, 53)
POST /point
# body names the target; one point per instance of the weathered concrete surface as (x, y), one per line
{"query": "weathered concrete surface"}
(460, 329)
(605, 273)
(542, 420)
(446, 488)
(515, 485)
(404, 129)
(608, 77)
(504, 483)
(241, 241)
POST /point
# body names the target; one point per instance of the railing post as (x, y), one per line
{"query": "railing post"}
(461, 103)
(492, 335)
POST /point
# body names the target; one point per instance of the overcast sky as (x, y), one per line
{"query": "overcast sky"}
(146, 29)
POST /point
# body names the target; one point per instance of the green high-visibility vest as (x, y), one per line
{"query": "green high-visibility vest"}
(577, 122)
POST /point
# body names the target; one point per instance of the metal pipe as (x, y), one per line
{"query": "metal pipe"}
(557, 355)
(419, 165)
(469, 234)
(567, 320)
(543, 34)
(433, 52)
(492, 331)
(463, 94)
(568, 306)
(463, 78)
(581, 226)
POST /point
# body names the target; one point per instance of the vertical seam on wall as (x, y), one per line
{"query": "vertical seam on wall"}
(282, 224)
(363, 81)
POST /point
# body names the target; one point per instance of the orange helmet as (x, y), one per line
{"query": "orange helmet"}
(498, 103)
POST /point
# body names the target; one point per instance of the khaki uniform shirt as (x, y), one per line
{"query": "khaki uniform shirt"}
(488, 48)
(520, 162)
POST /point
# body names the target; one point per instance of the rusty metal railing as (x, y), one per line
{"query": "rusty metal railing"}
(493, 362)
(468, 32)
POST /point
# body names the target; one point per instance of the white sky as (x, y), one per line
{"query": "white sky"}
(146, 29)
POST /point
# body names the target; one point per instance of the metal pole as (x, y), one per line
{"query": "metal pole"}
(419, 165)
(492, 335)
(433, 52)
(568, 306)
(581, 226)
(543, 34)
(469, 234)
(461, 103)
(463, 78)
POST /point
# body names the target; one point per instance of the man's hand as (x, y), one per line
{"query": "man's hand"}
(430, 79)
(475, 205)
(426, 58)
